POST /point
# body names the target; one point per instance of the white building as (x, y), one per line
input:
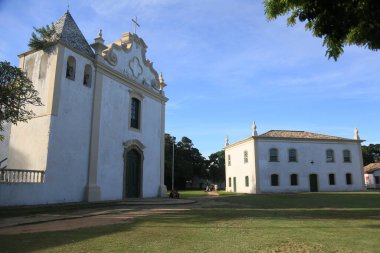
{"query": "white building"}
(372, 175)
(293, 161)
(99, 135)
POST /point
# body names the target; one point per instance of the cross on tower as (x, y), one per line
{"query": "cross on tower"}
(136, 24)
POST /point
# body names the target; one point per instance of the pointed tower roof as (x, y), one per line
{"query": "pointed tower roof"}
(70, 35)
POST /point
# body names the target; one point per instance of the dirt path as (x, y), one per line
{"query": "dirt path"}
(99, 216)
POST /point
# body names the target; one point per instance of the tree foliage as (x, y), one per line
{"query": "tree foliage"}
(46, 37)
(371, 154)
(16, 92)
(338, 22)
(189, 164)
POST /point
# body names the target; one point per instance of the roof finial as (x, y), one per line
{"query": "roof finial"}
(254, 132)
(356, 134)
(68, 7)
(226, 141)
(100, 33)
(161, 82)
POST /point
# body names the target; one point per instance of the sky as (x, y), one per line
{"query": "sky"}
(225, 66)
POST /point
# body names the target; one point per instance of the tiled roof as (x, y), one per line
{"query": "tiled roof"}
(371, 167)
(70, 35)
(298, 135)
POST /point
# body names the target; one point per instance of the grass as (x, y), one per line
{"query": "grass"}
(322, 222)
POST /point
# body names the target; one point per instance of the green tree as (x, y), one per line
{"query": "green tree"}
(188, 162)
(338, 22)
(16, 93)
(47, 36)
(371, 154)
(216, 167)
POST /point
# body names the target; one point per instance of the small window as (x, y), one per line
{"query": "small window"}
(246, 181)
(43, 66)
(70, 68)
(135, 113)
(229, 160)
(293, 179)
(273, 155)
(245, 156)
(329, 156)
(332, 179)
(87, 75)
(348, 178)
(274, 180)
(346, 156)
(292, 155)
(229, 182)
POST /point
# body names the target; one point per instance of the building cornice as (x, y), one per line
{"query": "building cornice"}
(238, 143)
(306, 139)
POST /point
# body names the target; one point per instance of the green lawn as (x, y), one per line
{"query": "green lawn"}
(321, 222)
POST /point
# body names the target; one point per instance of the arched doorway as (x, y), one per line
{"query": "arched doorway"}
(133, 173)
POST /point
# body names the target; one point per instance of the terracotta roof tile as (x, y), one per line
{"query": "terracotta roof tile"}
(370, 168)
(299, 135)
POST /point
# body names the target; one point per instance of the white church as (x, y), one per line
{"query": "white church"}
(293, 161)
(100, 133)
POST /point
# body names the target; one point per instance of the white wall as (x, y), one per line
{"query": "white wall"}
(114, 131)
(306, 153)
(239, 168)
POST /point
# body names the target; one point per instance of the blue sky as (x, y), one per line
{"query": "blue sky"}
(225, 65)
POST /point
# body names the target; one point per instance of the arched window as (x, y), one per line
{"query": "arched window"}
(229, 182)
(348, 178)
(245, 156)
(274, 180)
(273, 155)
(292, 155)
(43, 66)
(246, 181)
(346, 156)
(332, 179)
(87, 76)
(229, 160)
(70, 68)
(330, 156)
(135, 113)
(293, 179)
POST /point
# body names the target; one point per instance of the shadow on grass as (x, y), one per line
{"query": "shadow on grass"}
(264, 211)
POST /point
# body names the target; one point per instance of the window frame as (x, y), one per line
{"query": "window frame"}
(273, 158)
(294, 179)
(245, 156)
(228, 160)
(349, 179)
(246, 181)
(332, 179)
(348, 160)
(140, 98)
(74, 64)
(274, 180)
(87, 68)
(330, 158)
(292, 158)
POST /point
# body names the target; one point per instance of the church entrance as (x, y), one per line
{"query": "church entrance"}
(313, 179)
(234, 184)
(133, 174)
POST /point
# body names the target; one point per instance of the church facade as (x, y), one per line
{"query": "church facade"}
(100, 132)
(293, 161)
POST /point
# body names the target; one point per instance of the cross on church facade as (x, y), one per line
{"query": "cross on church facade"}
(136, 24)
